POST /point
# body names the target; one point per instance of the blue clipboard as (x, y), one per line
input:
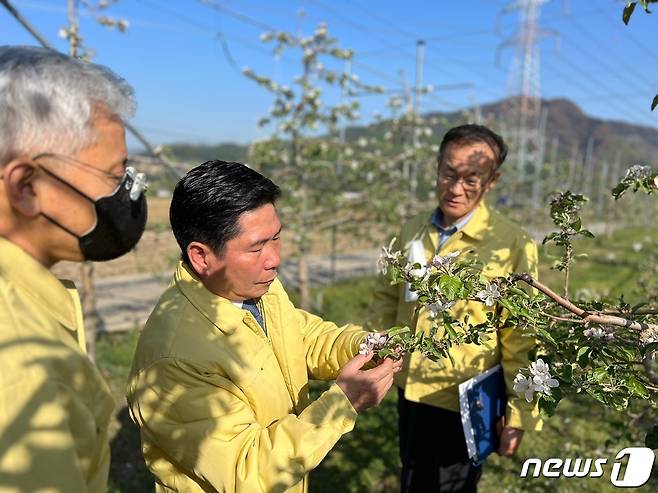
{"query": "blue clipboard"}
(482, 402)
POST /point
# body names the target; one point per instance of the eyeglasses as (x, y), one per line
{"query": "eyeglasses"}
(99, 172)
(470, 183)
(134, 181)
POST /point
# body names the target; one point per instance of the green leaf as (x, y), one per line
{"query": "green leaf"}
(385, 352)
(586, 232)
(597, 394)
(549, 237)
(546, 335)
(651, 440)
(628, 11)
(565, 373)
(599, 374)
(450, 330)
(547, 406)
(510, 306)
(582, 356)
(619, 189)
(650, 348)
(394, 331)
(450, 286)
(654, 103)
(637, 387)
(518, 291)
(625, 353)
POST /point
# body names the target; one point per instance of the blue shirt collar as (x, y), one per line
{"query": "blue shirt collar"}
(438, 215)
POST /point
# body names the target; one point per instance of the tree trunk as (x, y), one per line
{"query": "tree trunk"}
(88, 302)
(304, 282)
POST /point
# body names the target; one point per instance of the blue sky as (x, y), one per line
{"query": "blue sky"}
(183, 57)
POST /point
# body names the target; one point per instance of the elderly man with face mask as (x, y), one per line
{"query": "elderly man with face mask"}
(432, 445)
(65, 194)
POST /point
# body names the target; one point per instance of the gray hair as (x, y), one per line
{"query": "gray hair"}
(47, 101)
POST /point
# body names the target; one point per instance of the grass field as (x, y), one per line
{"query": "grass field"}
(367, 460)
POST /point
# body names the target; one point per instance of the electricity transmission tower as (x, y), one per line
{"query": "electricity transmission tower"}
(526, 121)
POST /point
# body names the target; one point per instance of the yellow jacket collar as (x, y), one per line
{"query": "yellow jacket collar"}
(219, 311)
(477, 226)
(39, 284)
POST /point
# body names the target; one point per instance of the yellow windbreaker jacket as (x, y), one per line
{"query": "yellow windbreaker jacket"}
(224, 407)
(503, 248)
(54, 406)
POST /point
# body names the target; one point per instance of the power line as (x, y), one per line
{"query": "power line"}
(358, 27)
(238, 16)
(611, 69)
(24, 22)
(629, 34)
(583, 31)
(216, 34)
(594, 83)
(430, 40)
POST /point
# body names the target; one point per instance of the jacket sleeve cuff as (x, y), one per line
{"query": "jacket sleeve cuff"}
(520, 415)
(333, 408)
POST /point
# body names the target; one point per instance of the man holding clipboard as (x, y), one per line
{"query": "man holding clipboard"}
(433, 448)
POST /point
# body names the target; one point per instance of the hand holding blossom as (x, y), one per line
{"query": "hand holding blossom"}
(367, 388)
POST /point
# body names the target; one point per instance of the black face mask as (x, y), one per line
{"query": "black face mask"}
(120, 218)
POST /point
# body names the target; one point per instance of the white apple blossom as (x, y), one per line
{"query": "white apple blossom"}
(489, 294)
(372, 342)
(444, 261)
(544, 382)
(606, 333)
(638, 171)
(524, 385)
(386, 256)
(540, 380)
(421, 275)
(438, 307)
(539, 367)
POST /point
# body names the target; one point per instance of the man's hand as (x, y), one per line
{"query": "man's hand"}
(367, 388)
(510, 439)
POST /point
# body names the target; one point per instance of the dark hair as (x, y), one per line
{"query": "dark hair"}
(209, 199)
(470, 134)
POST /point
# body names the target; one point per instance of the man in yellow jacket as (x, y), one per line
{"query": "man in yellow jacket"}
(64, 195)
(219, 384)
(432, 444)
